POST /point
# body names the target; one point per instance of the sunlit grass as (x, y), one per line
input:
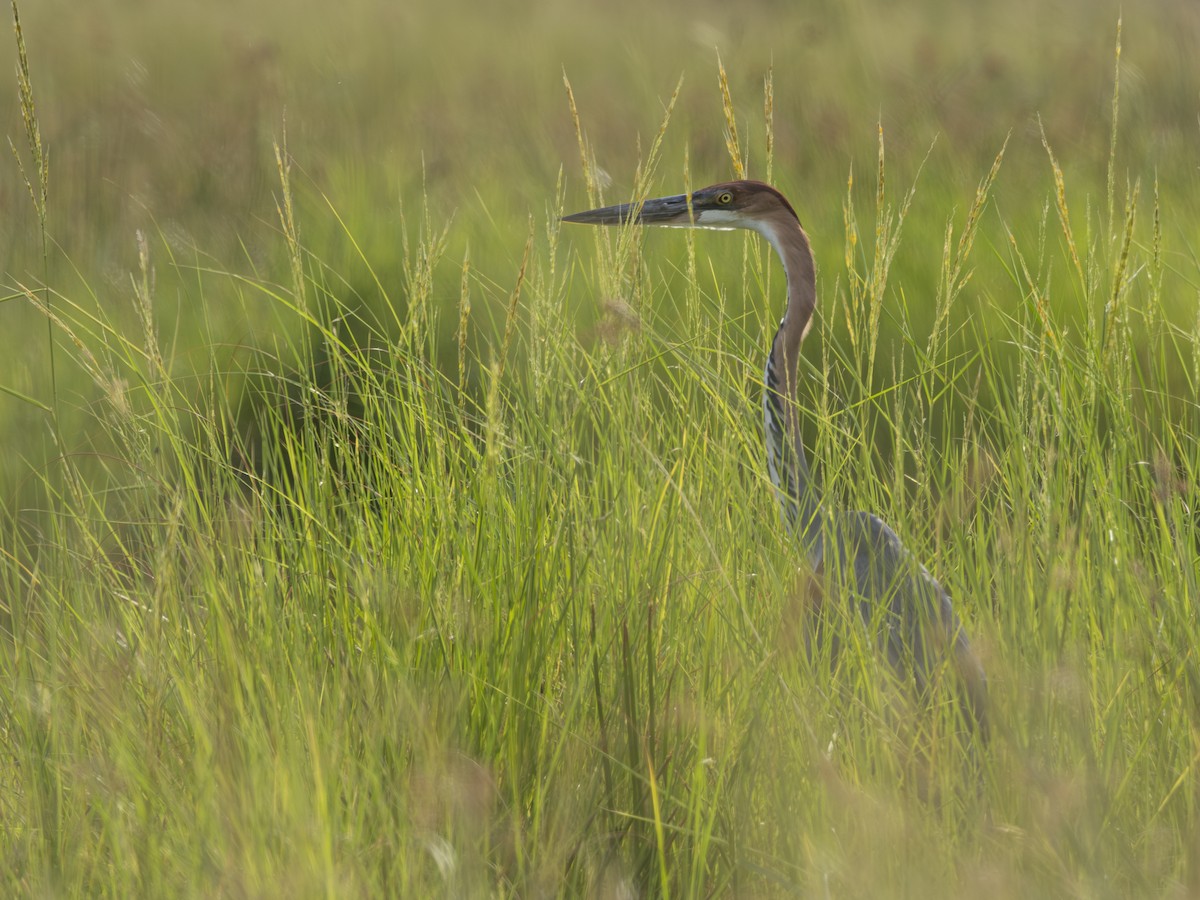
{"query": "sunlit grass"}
(478, 589)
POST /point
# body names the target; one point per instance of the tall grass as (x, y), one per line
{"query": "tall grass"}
(332, 616)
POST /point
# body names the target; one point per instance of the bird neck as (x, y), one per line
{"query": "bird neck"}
(787, 463)
(791, 243)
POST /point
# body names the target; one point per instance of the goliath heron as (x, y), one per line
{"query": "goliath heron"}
(918, 629)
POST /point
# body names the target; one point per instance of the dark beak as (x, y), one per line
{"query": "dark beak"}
(663, 211)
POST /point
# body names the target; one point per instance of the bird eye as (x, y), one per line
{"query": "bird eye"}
(724, 198)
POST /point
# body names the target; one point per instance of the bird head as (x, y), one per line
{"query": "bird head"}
(733, 204)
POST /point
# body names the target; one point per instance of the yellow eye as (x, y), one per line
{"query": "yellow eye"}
(724, 198)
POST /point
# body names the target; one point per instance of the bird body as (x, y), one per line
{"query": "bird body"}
(918, 628)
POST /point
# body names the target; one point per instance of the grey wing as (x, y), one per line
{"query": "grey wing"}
(922, 631)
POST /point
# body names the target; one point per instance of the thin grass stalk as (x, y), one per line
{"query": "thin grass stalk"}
(38, 185)
(1110, 179)
(732, 144)
(464, 318)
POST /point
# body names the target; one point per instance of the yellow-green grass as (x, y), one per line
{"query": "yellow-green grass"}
(380, 537)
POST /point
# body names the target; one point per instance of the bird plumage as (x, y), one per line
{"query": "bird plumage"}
(919, 631)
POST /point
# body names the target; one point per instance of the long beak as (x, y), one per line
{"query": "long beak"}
(662, 211)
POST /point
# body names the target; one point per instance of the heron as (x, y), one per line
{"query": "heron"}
(912, 614)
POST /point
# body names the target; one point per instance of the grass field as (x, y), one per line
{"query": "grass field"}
(366, 532)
